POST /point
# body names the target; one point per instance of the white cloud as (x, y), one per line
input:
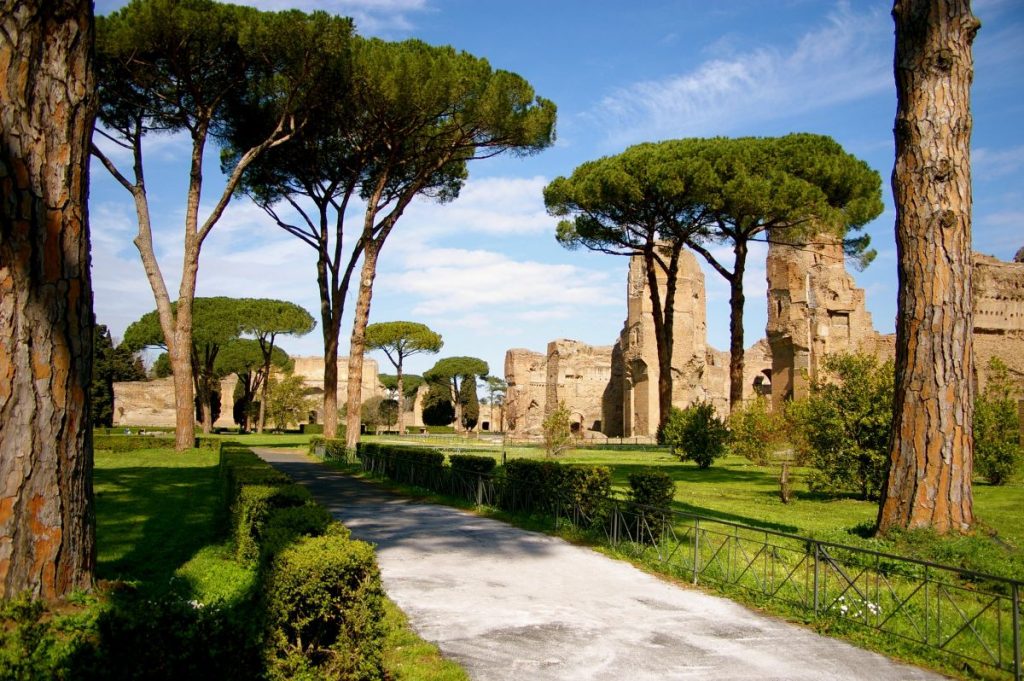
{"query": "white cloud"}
(844, 60)
(991, 163)
(455, 281)
(373, 17)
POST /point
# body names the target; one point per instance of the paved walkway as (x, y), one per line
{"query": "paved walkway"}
(517, 605)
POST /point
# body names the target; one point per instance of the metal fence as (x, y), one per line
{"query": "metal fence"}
(973, 617)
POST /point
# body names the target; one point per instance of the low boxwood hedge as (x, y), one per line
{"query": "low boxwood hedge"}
(472, 463)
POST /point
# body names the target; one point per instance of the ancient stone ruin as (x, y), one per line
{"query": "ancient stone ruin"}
(814, 309)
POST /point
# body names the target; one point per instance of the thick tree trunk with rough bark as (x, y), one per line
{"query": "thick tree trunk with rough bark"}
(931, 451)
(357, 346)
(47, 543)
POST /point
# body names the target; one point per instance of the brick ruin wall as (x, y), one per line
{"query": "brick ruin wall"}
(814, 309)
(151, 403)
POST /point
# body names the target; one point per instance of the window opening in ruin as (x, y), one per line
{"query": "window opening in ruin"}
(486, 425)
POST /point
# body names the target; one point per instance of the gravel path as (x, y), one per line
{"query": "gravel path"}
(517, 605)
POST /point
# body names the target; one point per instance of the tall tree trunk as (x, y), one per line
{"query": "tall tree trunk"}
(401, 396)
(931, 450)
(736, 302)
(47, 542)
(357, 346)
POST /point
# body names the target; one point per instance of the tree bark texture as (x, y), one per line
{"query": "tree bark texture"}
(931, 451)
(357, 346)
(736, 303)
(47, 546)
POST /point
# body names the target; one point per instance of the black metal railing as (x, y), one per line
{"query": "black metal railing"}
(971, 616)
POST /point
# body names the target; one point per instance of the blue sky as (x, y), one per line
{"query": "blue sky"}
(485, 270)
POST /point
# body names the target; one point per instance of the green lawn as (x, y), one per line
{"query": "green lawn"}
(159, 525)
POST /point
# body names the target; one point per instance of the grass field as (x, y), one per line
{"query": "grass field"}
(159, 525)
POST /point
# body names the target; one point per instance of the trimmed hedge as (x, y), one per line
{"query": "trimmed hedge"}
(311, 428)
(652, 493)
(130, 443)
(549, 485)
(472, 463)
(333, 448)
(321, 590)
(326, 606)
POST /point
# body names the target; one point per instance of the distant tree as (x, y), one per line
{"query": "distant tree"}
(997, 447)
(470, 403)
(109, 365)
(557, 430)
(245, 358)
(216, 322)
(410, 384)
(696, 434)
(162, 366)
(202, 68)
(399, 340)
(452, 371)
(931, 453)
(756, 431)
(843, 427)
(265, 319)
(438, 409)
(287, 403)
(47, 538)
(379, 411)
(496, 389)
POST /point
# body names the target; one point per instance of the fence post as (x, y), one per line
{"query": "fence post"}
(816, 599)
(1018, 673)
(696, 548)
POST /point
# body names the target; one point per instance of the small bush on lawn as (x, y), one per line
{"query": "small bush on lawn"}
(472, 463)
(325, 605)
(755, 431)
(695, 434)
(652, 492)
(997, 449)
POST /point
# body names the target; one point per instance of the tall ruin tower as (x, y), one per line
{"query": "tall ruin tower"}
(695, 366)
(814, 309)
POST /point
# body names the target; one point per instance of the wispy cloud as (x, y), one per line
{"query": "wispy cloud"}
(373, 17)
(991, 163)
(847, 58)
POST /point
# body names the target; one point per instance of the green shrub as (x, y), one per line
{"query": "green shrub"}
(311, 428)
(472, 463)
(252, 509)
(212, 444)
(842, 429)
(695, 434)
(547, 485)
(652, 493)
(285, 526)
(325, 607)
(755, 431)
(997, 450)
(130, 443)
(557, 429)
(332, 448)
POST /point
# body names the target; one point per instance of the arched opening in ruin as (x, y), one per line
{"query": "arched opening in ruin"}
(485, 426)
(763, 383)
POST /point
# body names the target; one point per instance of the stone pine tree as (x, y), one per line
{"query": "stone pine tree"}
(47, 541)
(646, 202)
(265, 319)
(931, 451)
(196, 67)
(399, 340)
(787, 190)
(216, 322)
(442, 108)
(453, 372)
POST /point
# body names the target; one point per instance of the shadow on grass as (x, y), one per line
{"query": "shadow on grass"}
(151, 519)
